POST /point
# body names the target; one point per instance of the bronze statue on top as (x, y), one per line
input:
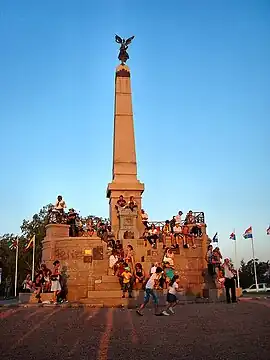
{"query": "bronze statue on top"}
(123, 55)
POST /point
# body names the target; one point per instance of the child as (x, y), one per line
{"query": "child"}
(151, 284)
(126, 275)
(55, 279)
(171, 295)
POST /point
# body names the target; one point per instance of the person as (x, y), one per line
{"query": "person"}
(144, 217)
(47, 281)
(166, 232)
(127, 275)
(27, 284)
(216, 260)
(129, 256)
(229, 275)
(139, 276)
(151, 284)
(38, 282)
(55, 278)
(71, 221)
(177, 233)
(168, 256)
(113, 259)
(8, 285)
(132, 203)
(171, 295)
(119, 249)
(121, 202)
(152, 236)
(178, 217)
(208, 258)
(60, 204)
(190, 218)
(169, 273)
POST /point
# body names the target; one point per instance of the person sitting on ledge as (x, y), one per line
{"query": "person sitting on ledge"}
(190, 218)
(178, 217)
(144, 218)
(166, 232)
(152, 236)
(177, 234)
(132, 203)
(121, 202)
(186, 237)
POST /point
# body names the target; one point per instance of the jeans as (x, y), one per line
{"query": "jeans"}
(148, 293)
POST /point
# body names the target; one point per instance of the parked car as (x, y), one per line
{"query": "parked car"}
(262, 287)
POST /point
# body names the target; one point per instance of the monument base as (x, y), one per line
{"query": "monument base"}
(85, 265)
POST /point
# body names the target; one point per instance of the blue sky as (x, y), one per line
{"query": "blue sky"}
(201, 86)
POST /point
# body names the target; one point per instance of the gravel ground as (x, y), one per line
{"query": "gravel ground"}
(196, 331)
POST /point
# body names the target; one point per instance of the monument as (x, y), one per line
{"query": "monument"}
(124, 173)
(84, 260)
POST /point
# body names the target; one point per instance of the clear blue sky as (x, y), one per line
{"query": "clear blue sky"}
(201, 99)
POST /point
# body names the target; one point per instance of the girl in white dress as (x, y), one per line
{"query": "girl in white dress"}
(55, 278)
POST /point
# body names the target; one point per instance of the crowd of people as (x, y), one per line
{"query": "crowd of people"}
(132, 276)
(222, 272)
(47, 281)
(176, 229)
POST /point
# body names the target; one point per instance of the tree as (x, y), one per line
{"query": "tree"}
(36, 227)
(246, 272)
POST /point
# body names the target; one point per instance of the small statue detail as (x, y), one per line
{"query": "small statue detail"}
(123, 55)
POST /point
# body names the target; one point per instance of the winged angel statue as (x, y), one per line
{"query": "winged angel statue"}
(123, 55)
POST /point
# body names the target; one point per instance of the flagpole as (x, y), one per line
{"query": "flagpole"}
(33, 261)
(16, 268)
(255, 271)
(235, 259)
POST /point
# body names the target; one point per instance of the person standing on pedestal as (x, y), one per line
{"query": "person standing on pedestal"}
(60, 204)
(229, 274)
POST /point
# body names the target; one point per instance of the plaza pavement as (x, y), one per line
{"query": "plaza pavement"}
(197, 331)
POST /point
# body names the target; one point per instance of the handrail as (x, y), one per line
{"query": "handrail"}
(198, 215)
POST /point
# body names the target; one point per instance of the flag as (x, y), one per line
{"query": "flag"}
(248, 233)
(268, 230)
(232, 236)
(29, 244)
(12, 244)
(215, 238)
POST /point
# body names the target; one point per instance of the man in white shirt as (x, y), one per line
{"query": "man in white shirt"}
(60, 204)
(151, 284)
(229, 274)
(178, 217)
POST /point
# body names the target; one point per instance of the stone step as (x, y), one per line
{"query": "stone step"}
(103, 294)
(107, 286)
(109, 279)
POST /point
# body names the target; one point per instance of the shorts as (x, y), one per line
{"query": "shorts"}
(171, 298)
(126, 287)
(148, 293)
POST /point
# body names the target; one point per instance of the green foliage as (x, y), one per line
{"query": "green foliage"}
(35, 226)
(246, 272)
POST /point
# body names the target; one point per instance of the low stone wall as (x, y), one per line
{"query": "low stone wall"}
(82, 259)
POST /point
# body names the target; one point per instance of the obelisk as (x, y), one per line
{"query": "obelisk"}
(124, 174)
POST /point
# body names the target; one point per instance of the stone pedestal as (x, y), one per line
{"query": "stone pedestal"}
(82, 259)
(128, 224)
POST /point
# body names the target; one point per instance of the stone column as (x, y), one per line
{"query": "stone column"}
(124, 176)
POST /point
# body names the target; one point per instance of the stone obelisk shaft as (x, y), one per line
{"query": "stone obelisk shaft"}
(124, 177)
